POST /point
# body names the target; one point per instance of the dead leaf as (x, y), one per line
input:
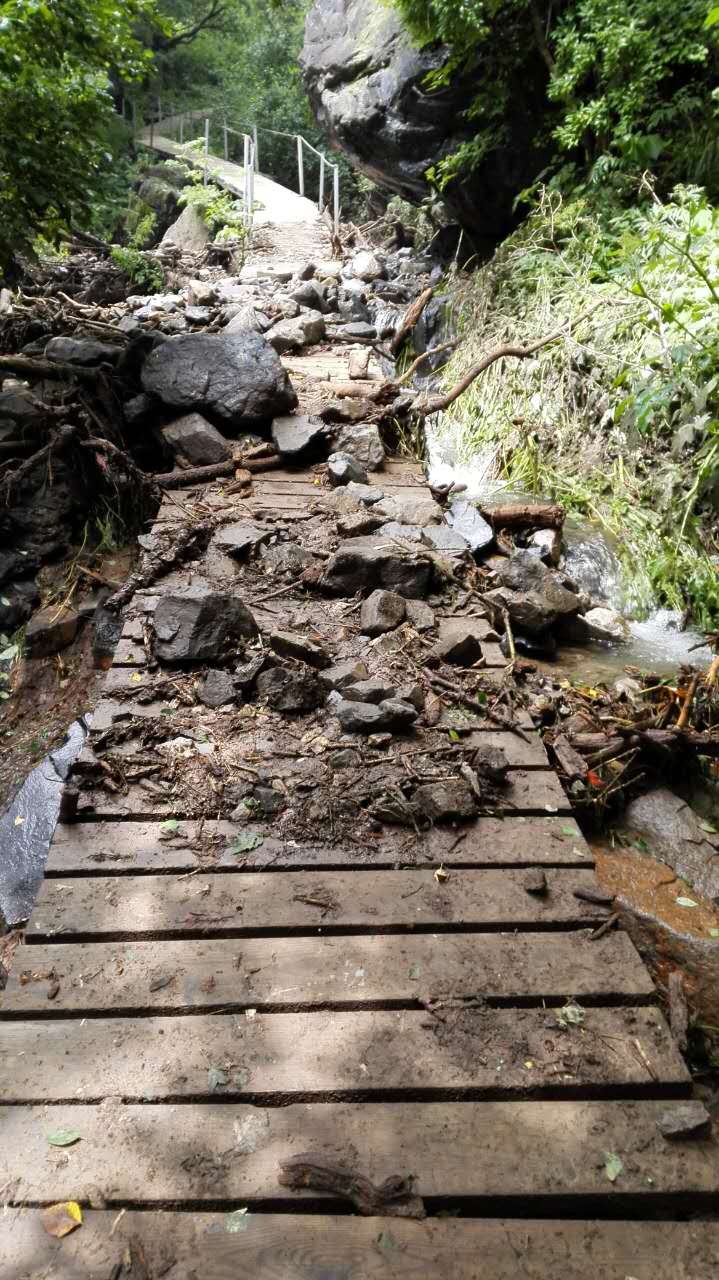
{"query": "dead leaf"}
(441, 875)
(60, 1219)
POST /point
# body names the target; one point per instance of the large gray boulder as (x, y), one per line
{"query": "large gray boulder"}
(189, 233)
(674, 834)
(533, 595)
(197, 623)
(365, 77)
(360, 564)
(236, 378)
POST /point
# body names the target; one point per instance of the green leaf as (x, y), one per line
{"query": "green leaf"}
(613, 1165)
(386, 1241)
(8, 654)
(63, 1137)
(246, 841)
(686, 902)
(454, 735)
(170, 826)
(711, 19)
(568, 831)
(238, 1220)
(217, 1078)
(415, 970)
(706, 825)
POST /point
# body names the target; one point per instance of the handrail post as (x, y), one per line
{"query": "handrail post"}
(227, 149)
(251, 202)
(300, 165)
(207, 147)
(256, 152)
(246, 179)
(321, 201)
(134, 118)
(182, 128)
(336, 189)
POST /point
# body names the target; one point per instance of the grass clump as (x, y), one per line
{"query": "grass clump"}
(619, 420)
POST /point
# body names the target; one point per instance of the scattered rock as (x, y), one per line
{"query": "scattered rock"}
(201, 293)
(244, 321)
(420, 615)
(217, 689)
(441, 538)
(294, 692)
(369, 691)
(343, 469)
(344, 674)
(547, 544)
(50, 630)
(535, 881)
(293, 335)
(362, 442)
(288, 560)
(235, 377)
(366, 717)
(347, 410)
(198, 441)
(367, 494)
(137, 410)
(379, 741)
(458, 643)
(606, 626)
(413, 694)
(532, 594)
(246, 673)
(289, 645)
(239, 540)
(382, 611)
(196, 623)
(17, 603)
(362, 563)
(446, 801)
(491, 763)
(357, 523)
(464, 518)
(685, 1120)
(311, 294)
(298, 438)
(400, 532)
(674, 834)
(367, 266)
(414, 511)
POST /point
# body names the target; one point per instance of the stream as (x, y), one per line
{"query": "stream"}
(656, 644)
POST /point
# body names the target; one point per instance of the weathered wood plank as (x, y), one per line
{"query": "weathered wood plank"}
(483, 1151)
(287, 973)
(135, 906)
(109, 847)
(357, 1055)
(307, 1247)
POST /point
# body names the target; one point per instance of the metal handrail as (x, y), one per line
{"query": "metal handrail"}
(251, 154)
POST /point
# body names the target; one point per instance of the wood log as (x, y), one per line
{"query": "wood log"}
(39, 370)
(517, 515)
(409, 320)
(198, 475)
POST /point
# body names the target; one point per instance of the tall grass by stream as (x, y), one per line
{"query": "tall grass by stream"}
(618, 420)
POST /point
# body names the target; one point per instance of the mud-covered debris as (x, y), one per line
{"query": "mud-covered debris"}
(685, 1120)
(290, 645)
(217, 689)
(535, 881)
(395, 1197)
(382, 611)
(363, 717)
(490, 762)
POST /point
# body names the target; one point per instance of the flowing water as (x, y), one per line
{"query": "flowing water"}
(657, 642)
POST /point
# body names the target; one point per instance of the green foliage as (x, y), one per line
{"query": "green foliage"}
(140, 223)
(629, 84)
(56, 109)
(219, 210)
(142, 270)
(620, 420)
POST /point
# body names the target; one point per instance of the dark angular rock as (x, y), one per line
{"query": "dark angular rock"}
(445, 801)
(82, 351)
(419, 615)
(298, 438)
(17, 602)
(357, 524)
(532, 594)
(382, 611)
(362, 442)
(288, 560)
(464, 518)
(347, 758)
(197, 623)
(362, 563)
(367, 494)
(289, 645)
(685, 1120)
(343, 674)
(458, 643)
(50, 630)
(490, 762)
(349, 409)
(241, 539)
(535, 882)
(107, 628)
(294, 692)
(342, 468)
(294, 334)
(196, 438)
(198, 315)
(217, 689)
(358, 329)
(311, 294)
(235, 377)
(369, 691)
(138, 410)
(268, 801)
(365, 717)
(247, 672)
(413, 694)
(410, 510)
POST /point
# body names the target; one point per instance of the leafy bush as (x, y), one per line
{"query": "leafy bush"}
(218, 209)
(142, 270)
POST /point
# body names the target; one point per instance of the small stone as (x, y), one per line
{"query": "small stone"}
(217, 689)
(379, 742)
(400, 532)
(365, 717)
(343, 674)
(349, 409)
(358, 329)
(547, 544)
(239, 540)
(414, 511)
(294, 692)
(357, 524)
(82, 351)
(367, 494)
(50, 630)
(413, 694)
(458, 644)
(382, 611)
(535, 882)
(445, 801)
(267, 800)
(366, 266)
(419, 615)
(464, 518)
(345, 759)
(685, 1120)
(289, 645)
(369, 691)
(196, 623)
(137, 410)
(200, 293)
(302, 331)
(342, 469)
(247, 672)
(198, 315)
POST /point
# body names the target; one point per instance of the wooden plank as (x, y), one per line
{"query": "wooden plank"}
(479, 1151)
(268, 1246)
(162, 906)
(292, 973)
(109, 847)
(528, 792)
(351, 1056)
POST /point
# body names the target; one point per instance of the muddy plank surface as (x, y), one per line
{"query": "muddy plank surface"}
(135, 906)
(108, 847)
(452, 1052)
(191, 1153)
(225, 1246)
(286, 973)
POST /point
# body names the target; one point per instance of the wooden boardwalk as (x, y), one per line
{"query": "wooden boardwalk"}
(198, 1010)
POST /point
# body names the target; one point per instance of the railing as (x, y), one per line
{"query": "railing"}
(182, 123)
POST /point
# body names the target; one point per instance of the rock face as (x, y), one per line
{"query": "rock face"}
(364, 75)
(234, 377)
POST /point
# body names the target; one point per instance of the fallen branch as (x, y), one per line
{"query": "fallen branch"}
(539, 515)
(409, 319)
(395, 1197)
(472, 704)
(59, 442)
(40, 370)
(433, 351)
(197, 475)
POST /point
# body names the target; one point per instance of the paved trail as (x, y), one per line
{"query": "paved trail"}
(193, 1010)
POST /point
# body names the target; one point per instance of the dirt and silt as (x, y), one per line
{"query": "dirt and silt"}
(380, 741)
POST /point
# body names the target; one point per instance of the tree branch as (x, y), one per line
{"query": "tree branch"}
(213, 20)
